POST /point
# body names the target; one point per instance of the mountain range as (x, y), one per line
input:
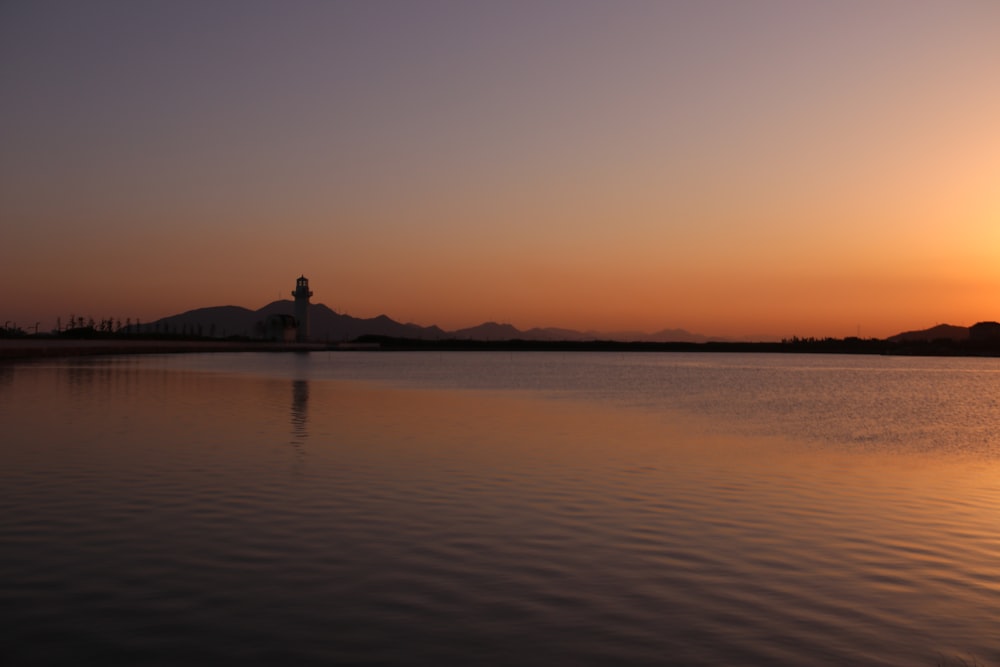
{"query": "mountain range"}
(327, 325)
(939, 332)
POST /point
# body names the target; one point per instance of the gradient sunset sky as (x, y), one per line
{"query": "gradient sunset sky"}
(734, 168)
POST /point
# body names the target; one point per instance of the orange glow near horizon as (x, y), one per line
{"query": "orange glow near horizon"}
(757, 171)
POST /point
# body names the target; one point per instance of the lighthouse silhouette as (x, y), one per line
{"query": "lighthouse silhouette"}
(302, 294)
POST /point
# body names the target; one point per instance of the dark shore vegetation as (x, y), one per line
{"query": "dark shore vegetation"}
(944, 347)
(87, 340)
(122, 337)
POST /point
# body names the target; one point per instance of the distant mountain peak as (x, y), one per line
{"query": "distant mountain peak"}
(326, 325)
(939, 332)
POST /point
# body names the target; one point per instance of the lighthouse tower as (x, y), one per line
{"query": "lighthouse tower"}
(302, 295)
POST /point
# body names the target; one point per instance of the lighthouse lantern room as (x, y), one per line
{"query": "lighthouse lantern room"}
(302, 294)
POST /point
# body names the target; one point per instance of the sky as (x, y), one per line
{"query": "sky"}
(735, 168)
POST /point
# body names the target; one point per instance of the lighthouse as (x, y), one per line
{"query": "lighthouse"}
(302, 295)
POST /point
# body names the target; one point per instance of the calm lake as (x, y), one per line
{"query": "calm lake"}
(500, 509)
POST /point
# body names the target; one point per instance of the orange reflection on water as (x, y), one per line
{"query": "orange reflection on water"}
(448, 502)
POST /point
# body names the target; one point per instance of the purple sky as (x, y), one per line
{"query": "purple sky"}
(736, 168)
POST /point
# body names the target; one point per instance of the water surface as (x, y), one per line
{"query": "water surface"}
(498, 508)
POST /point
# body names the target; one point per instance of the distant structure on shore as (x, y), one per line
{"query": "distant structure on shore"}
(302, 294)
(279, 327)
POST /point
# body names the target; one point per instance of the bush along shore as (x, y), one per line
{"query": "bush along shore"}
(91, 341)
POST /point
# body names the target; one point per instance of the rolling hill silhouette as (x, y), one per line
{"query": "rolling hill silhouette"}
(327, 325)
(939, 332)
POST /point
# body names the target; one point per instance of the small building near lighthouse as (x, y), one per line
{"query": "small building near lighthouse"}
(302, 294)
(278, 327)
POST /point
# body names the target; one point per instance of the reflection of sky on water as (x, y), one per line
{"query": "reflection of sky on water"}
(450, 519)
(6, 374)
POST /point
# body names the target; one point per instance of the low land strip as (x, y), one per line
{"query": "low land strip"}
(33, 348)
(30, 348)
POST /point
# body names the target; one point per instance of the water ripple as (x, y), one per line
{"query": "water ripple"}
(231, 516)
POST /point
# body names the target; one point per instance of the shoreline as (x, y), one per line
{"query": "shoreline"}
(13, 349)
